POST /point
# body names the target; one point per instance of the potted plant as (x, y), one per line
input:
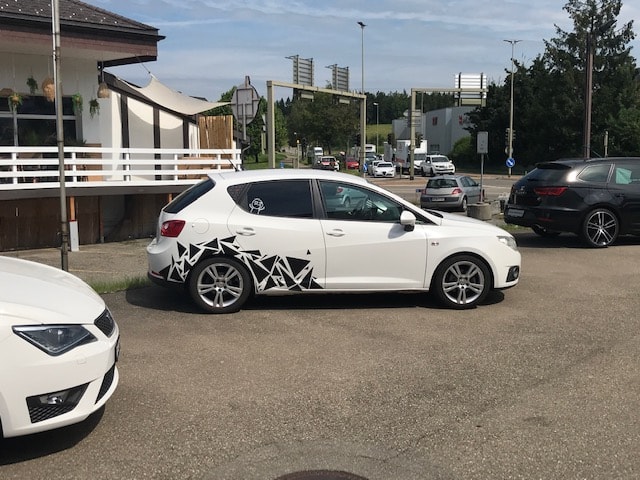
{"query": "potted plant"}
(94, 107)
(33, 85)
(77, 103)
(15, 100)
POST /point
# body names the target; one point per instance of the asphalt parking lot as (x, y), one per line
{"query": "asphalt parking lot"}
(540, 382)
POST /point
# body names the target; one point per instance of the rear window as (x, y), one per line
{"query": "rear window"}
(189, 196)
(548, 172)
(442, 183)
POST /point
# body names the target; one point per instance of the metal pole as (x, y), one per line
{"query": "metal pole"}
(377, 127)
(64, 226)
(588, 97)
(513, 43)
(363, 106)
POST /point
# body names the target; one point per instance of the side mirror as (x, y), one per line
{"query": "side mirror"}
(408, 219)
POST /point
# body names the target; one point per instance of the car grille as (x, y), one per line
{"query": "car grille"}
(106, 382)
(105, 323)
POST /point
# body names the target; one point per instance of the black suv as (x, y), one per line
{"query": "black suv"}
(597, 199)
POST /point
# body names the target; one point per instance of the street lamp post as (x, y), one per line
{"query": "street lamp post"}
(588, 94)
(377, 127)
(510, 133)
(363, 106)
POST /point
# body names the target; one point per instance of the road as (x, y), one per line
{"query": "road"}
(541, 382)
(495, 186)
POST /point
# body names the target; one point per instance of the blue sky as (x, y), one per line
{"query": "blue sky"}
(211, 45)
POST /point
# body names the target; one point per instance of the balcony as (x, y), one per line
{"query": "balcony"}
(33, 172)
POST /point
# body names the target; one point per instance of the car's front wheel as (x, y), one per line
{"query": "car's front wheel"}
(600, 228)
(220, 285)
(461, 281)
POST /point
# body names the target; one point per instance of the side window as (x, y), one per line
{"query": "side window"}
(349, 202)
(595, 173)
(627, 173)
(278, 198)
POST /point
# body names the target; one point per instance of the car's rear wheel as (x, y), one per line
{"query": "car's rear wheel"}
(464, 204)
(461, 281)
(600, 228)
(543, 232)
(220, 285)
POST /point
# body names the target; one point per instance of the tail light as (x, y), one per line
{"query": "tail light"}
(549, 191)
(172, 228)
(456, 191)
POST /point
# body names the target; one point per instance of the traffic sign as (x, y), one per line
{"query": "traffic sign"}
(510, 162)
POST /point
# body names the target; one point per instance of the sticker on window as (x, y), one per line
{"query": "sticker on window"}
(256, 206)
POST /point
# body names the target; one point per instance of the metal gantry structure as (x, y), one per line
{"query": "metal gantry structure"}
(271, 130)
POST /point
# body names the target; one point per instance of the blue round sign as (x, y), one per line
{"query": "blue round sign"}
(510, 162)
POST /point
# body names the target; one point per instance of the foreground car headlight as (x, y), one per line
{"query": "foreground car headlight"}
(509, 241)
(55, 339)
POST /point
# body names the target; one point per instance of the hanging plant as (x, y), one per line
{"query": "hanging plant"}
(94, 107)
(15, 100)
(103, 90)
(33, 85)
(49, 89)
(77, 103)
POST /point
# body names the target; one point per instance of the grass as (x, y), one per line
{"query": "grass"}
(127, 283)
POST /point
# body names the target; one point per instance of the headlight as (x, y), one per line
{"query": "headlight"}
(509, 241)
(55, 339)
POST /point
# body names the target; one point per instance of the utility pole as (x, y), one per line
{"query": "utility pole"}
(510, 133)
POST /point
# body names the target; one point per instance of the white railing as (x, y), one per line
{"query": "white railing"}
(28, 168)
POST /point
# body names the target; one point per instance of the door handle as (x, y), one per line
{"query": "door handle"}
(246, 232)
(336, 233)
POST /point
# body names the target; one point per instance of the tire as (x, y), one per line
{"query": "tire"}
(220, 285)
(461, 282)
(463, 206)
(600, 228)
(543, 232)
(422, 172)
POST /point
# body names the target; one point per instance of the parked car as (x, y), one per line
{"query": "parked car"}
(58, 349)
(277, 232)
(352, 163)
(436, 165)
(327, 162)
(597, 199)
(450, 192)
(384, 169)
(371, 167)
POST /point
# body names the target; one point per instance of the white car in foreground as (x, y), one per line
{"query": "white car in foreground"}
(58, 349)
(236, 234)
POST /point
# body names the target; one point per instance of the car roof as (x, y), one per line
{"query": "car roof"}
(232, 177)
(572, 162)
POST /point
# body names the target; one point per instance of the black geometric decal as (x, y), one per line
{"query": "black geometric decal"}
(270, 271)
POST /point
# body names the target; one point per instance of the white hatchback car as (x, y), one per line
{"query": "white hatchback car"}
(58, 349)
(278, 231)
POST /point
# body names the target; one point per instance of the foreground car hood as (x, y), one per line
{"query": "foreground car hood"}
(447, 219)
(32, 293)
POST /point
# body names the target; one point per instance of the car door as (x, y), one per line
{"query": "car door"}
(624, 187)
(472, 188)
(280, 240)
(367, 248)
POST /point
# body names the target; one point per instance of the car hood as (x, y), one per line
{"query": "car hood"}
(33, 293)
(447, 219)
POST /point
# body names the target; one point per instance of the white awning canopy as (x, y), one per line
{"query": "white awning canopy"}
(159, 93)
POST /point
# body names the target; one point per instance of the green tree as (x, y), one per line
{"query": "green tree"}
(549, 95)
